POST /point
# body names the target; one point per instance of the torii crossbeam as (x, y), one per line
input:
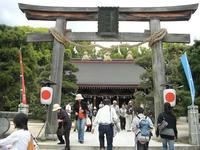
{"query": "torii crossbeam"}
(151, 14)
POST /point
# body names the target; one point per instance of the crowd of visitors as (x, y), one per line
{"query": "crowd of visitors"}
(110, 118)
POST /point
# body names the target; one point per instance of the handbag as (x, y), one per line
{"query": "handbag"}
(32, 145)
(88, 122)
(116, 128)
(163, 124)
(115, 125)
(142, 139)
(61, 131)
(167, 131)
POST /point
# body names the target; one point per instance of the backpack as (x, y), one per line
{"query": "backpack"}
(144, 133)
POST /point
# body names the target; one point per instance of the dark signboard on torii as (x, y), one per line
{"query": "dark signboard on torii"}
(154, 15)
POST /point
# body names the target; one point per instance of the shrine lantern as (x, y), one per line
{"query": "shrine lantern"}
(170, 96)
(46, 95)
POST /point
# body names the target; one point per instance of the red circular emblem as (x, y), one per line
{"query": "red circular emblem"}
(46, 94)
(170, 97)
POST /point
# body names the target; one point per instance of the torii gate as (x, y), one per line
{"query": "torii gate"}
(154, 15)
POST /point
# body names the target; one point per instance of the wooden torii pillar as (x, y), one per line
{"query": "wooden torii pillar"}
(154, 15)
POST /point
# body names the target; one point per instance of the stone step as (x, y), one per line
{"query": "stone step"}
(87, 147)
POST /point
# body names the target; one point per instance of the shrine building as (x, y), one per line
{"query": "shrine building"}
(99, 79)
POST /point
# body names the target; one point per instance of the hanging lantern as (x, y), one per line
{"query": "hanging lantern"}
(46, 95)
(169, 96)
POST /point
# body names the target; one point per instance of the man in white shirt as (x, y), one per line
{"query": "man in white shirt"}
(105, 118)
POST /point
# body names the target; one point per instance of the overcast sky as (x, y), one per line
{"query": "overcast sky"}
(10, 14)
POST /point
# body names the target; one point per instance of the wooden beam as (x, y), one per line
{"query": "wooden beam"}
(170, 13)
(92, 36)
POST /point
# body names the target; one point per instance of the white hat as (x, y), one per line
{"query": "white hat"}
(114, 101)
(56, 107)
(78, 96)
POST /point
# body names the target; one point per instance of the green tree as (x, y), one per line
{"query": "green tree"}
(9, 75)
(12, 38)
(69, 85)
(37, 65)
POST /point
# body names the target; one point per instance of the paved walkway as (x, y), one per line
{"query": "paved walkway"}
(122, 139)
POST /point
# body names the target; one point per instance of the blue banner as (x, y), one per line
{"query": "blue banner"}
(188, 74)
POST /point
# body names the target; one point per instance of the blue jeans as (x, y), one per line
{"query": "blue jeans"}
(108, 131)
(81, 128)
(170, 143)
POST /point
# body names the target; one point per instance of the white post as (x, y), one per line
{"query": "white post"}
(24, 108)
(193, 121)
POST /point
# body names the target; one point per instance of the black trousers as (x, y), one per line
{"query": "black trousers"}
(108, 131)
(142, 146)
(122, 122)
(66, 134)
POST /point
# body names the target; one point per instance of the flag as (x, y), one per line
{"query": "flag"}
(22, 80)
(119, 50)
(75, 50)
(188, 74)
(139, 50)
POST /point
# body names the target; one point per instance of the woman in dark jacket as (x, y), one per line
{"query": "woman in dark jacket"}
(169, 133)
(80, 108)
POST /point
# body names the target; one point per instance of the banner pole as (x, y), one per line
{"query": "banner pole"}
(22, 86)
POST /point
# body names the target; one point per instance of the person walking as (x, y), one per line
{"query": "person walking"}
(80, 108)
(129, 115)
(64, 125)
(101, 104)
(169, 133)
(94, 113)
(122, 113)
(75, 123)
(19, 139)
(105, 118)
(89, 117)
(116, 107)
(142, 127)
(68, 108)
